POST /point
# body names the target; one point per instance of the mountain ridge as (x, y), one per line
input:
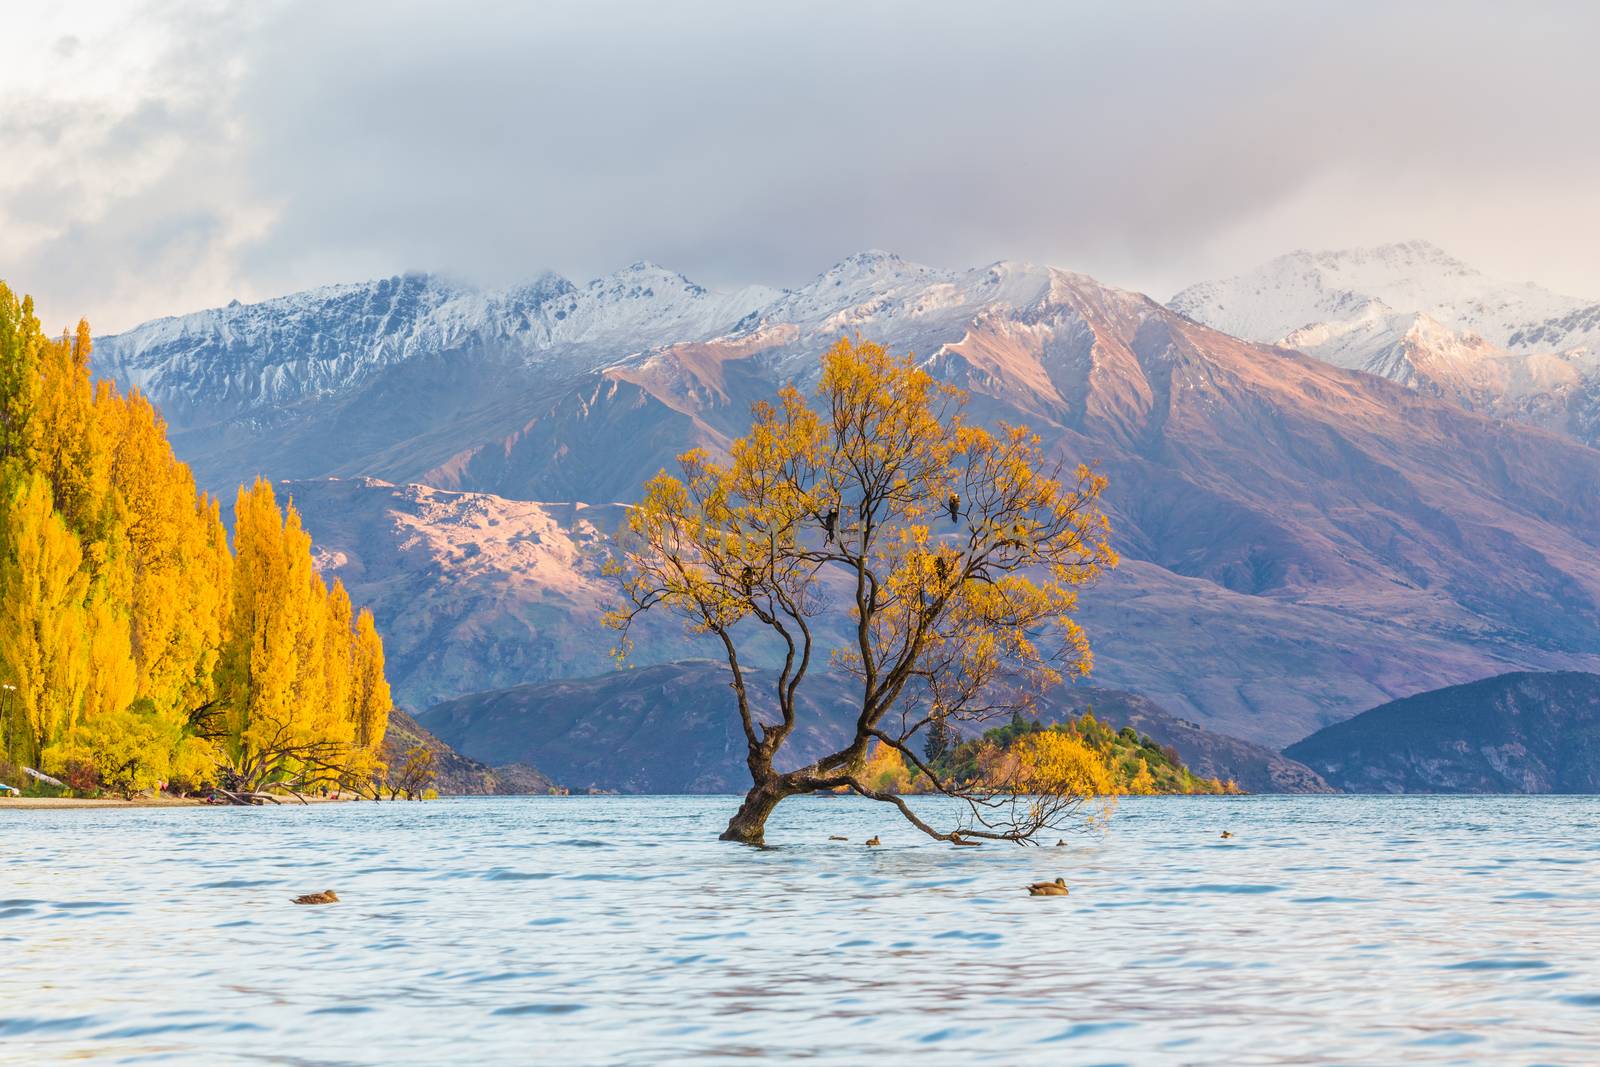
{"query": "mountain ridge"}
(1301, 541)
(668, 728)
(1414, 314)
(1519, 732)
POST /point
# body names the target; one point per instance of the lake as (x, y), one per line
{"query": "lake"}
(1423, 930)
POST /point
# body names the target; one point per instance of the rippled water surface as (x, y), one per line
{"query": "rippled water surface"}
(619, 930)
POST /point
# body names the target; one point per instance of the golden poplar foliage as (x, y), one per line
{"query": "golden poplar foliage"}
(44, 621)
(137, 648)
(371, 701)
(885, 770)
(1143, 783)
(1051, 763)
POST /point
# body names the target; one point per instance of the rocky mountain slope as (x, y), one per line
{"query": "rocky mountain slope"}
(665, 728)
(471, 591)
(475, 591)
(1514, 733)
(673, 728)
(456, 774)
(1300, 541)
(1416, 315)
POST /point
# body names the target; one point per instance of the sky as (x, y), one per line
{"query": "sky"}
(157, 158)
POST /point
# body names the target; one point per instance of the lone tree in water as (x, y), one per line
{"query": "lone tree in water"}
(949, 553)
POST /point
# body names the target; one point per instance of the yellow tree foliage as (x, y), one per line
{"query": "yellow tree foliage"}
(885, 769)
(305, 605)
(180, 562)
(257, 666)
(337, 715)
(303, 698)
(21, 345)
(44, 626)
(1059, 769)
(952, 554)
(69, 442)
(135, 650)
(126, 751)
(1143, 782)
(371, 698)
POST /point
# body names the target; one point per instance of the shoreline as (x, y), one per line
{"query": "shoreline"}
(65, 803)
(45, 803)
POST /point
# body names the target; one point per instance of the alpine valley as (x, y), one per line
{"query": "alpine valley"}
(1340, 480)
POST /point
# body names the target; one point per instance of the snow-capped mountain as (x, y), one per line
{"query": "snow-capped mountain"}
(407, 361)
(1416, 315)
(1300, 541)
(324, 343)
(1304, 288)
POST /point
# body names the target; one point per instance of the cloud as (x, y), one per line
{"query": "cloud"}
(247, 150)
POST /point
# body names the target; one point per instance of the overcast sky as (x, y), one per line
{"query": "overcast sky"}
(160, 158)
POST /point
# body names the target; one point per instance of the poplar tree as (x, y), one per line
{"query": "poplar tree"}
(371, 697)
(138, 645)
(43, 626)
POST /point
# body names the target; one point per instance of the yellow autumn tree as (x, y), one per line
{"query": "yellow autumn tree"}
(337, 716)
(1143, 783)
(180, 563)
(129, 649)
(1058, 772)
(951, 553)
(302, 699)
(44, 627)
(21, 343)
(267, 731)
(885, 769)
(371, 699)
(68, 443)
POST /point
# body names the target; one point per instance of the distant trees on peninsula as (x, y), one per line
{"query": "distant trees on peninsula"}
(135, 647)
(1098, 759)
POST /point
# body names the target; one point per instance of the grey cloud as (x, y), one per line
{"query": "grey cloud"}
(1150, 144)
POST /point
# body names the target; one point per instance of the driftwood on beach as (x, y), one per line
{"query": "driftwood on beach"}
(249, 799)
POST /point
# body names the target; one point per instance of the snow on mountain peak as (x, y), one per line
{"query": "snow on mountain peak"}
(1413, 313)
(1304, 289)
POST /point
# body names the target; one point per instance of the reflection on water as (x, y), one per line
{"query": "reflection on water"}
(618, 930)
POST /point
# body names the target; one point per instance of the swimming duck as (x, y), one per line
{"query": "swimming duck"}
(872, 842)
(1062, 843)
(327, 896)
(1227, 834)
(1057, 888)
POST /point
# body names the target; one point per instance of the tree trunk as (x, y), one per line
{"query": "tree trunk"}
(748, 825)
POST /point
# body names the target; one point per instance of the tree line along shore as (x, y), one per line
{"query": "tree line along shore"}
(139, 649)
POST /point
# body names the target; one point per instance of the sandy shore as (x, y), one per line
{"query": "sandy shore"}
(20, 803)
(106, 802)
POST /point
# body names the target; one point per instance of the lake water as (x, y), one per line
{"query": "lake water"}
(618, 930)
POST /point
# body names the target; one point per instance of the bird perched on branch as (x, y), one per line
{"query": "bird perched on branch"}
(954, 504)
(1057, 888)
(747, 578)
(829, 522)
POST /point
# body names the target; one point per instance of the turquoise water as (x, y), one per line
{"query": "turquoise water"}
(1336, 930)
